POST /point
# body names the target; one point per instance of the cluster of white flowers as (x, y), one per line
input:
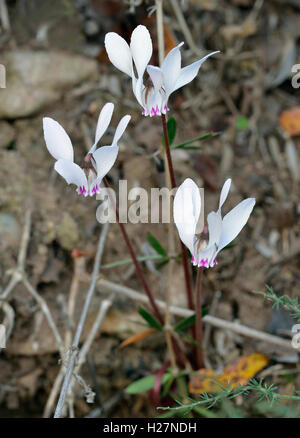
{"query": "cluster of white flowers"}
(133, 60)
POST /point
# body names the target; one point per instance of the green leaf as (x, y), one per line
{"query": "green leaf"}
(171, 128)
(189, 321)
(156, 245)
(185, 323)
(188, 144)
(241, 123)
(150, 319)
(144, 384)
(190, 147)
(167, 386)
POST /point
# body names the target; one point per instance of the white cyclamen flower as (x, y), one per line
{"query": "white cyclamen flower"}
(133, 60)
(97, 162)
(186, 211)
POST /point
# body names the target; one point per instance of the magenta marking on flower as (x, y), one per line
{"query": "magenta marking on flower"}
(166, 108)
(95, 189)
(82, 190)
(144, 112)
(203, 263)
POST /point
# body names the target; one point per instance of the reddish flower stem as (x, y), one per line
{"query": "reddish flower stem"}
(183, 248)
(199, 330)
(138, 268)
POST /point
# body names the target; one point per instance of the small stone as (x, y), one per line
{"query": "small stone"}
(7, 134)
(38, 78)
(91, 28)
(67, 232)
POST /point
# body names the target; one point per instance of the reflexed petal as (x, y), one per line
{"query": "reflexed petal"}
(57, 140)
(186, 212)
(71, 172)
(171, 68)
(137, 87)
(105, 158)
(188, 73)
(156, 76)
(141, 48)
(234, 221)
(104, 120)
(118, 52)
(214, 222)
(224, 192)
(103, 123)
(120, 129)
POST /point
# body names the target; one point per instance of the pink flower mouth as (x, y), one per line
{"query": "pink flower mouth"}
(95, 189)
(82, 190)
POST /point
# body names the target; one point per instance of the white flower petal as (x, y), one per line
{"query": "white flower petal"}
(71, 172)
(105, 158)
(104, 120)
(121, 128)
(156, 76)
(95, 185)
(186, 212)
(141, 48)
(57, 140)
(137, 87)
(224, 192)
(234, 221)
(214, 222)
(171, 68)
(102, 124)
(188, 73)
(118, 52)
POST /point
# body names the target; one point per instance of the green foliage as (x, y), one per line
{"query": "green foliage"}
(261, 390)
(156, 245)
(188, 144)
(171, 128)
(150, 319)
(189, 321)
(145, 384)
(285, 301)
(241, 123)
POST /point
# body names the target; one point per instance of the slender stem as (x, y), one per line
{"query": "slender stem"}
(183, 248)
(199, 330)
(135, 261)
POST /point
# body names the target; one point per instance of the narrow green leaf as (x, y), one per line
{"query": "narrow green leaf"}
(189, 321)
(167, 386)
(190, 142)
(156, 245)
(171, 128)
(185, 323)
(144, 384)
(150, 319)
(190, 147)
